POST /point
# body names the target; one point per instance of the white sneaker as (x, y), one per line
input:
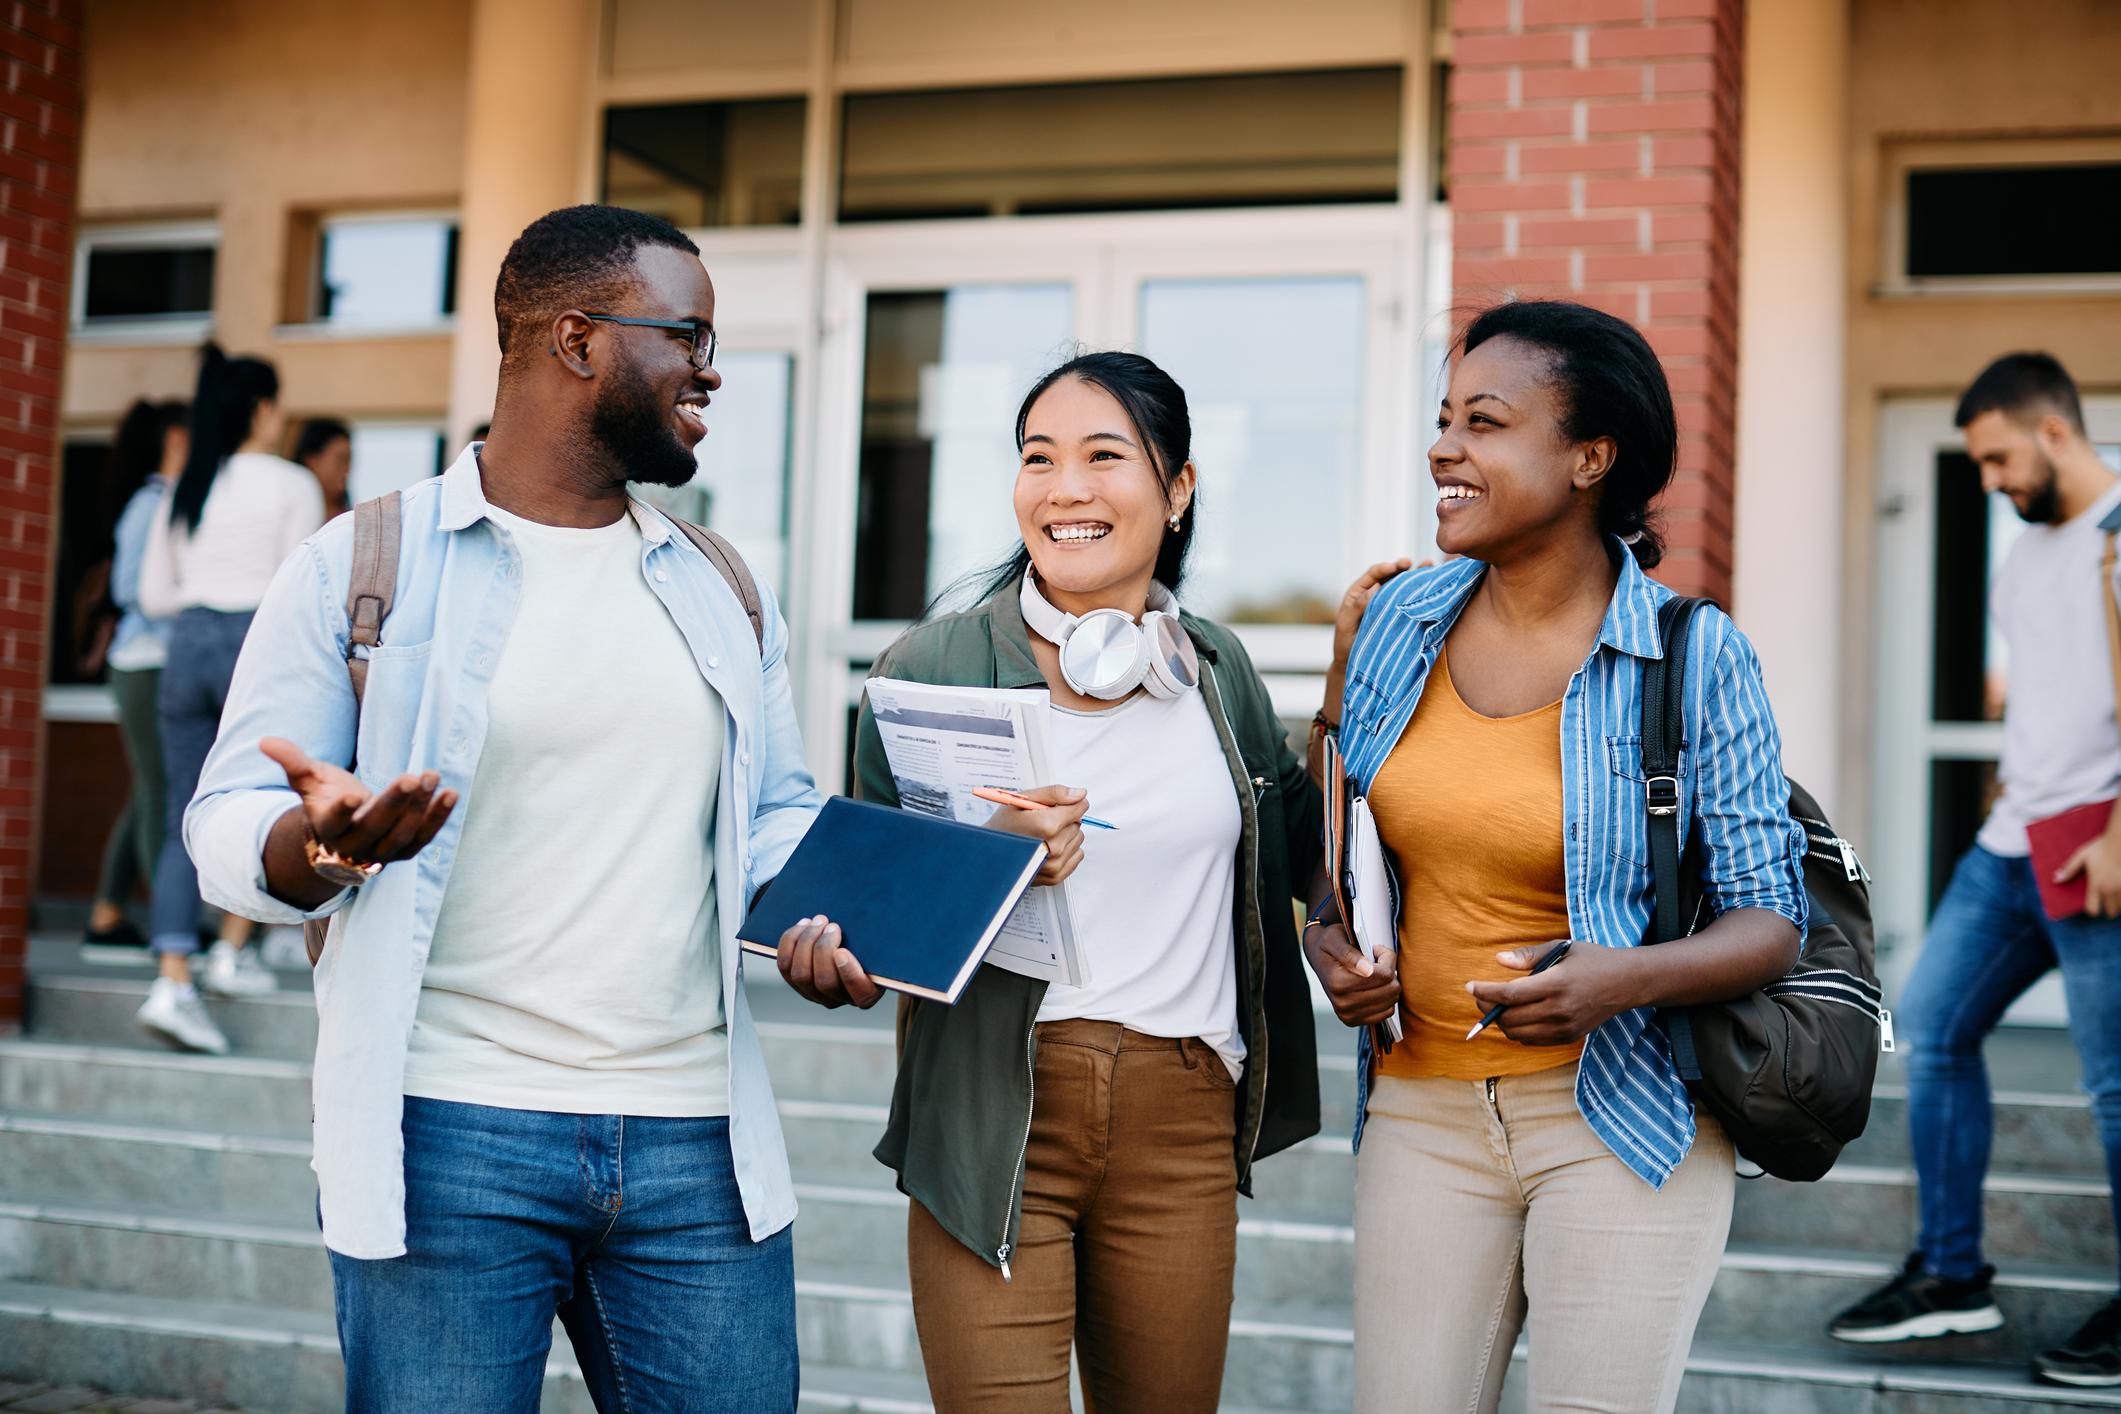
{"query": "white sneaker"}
(283, 946)
(173, 1011)
(236, 972)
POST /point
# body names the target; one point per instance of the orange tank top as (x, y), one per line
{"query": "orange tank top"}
(1470, 807)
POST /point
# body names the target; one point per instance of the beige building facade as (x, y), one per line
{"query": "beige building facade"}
(910, 209)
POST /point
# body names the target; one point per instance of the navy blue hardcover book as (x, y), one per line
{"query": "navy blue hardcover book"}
(919, 900)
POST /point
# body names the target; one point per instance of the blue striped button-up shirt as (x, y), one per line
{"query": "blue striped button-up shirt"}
(1732, 791)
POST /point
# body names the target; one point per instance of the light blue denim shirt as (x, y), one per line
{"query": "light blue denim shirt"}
(139, 642)
(1732, 791)
(459, 579)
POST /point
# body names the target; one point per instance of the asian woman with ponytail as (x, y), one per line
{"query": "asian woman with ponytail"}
(1074, 1153)
(236, 511)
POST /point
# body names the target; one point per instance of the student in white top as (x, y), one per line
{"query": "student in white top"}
(540, 1092)
(1990, 937)
(235, 513)
(1074, 1154)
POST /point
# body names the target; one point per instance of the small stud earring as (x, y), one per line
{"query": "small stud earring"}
(1174, 525)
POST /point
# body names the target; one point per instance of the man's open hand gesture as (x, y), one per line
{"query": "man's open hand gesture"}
(352, 821)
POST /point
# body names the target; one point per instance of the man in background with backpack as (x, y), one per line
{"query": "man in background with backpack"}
(1991, 937)
(536, 803)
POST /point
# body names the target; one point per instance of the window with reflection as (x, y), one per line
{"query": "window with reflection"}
(1278, 458)
(390, 456)
(387, 271)
(146, 276)
(943, 374)
(707, 164)
(1941, 241)
(1151, 144)
(741, 490)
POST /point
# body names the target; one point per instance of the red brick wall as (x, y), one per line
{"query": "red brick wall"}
(1594, 157)
(40, 144)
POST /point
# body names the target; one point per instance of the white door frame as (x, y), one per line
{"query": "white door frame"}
(1104, 259)
(1911, 433)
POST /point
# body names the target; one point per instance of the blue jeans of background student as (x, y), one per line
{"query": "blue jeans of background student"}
(630, 1230)
(1988, 942)
(203, 644)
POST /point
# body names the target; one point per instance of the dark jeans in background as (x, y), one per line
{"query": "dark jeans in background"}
(203, 644)
(631, 1230)
(1988, 942)
(131, 856)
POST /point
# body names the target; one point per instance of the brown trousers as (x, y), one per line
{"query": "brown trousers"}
(1126, 1250)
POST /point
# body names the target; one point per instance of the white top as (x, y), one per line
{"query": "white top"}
(575, 966)
(1153, 899)
(2061, 748)
(259, 509)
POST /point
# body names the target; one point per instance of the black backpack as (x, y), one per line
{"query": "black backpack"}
(1788, 1069)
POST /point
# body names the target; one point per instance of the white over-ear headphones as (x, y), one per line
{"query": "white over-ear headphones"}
(1106, 655)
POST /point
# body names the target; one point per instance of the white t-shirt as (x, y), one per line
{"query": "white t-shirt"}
(1153, 899)
(2061, 748)
(258, 510)
(576, 966)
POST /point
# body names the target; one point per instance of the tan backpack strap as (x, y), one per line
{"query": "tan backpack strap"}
(723, 556)
(371, 582)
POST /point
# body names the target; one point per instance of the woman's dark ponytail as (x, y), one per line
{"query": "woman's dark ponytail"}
(222, 413)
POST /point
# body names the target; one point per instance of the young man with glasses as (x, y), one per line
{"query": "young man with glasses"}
(538, 1087)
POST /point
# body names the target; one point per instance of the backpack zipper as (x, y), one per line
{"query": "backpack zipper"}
(1841, 852)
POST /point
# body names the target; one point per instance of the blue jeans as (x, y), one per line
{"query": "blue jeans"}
(630, 1230)
(203, 644)
(1988, 941)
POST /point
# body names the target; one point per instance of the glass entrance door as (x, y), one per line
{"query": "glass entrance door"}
(1942, 672)
(1285, 337)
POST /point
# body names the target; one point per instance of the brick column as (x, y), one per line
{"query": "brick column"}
(40, 147)
(1594, 157)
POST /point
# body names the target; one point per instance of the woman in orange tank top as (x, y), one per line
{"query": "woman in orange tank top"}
(1551, 1169)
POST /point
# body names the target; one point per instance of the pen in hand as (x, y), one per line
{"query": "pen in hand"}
(1025, 802)
(1560, 951)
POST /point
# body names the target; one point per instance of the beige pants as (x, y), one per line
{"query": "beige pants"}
(1483, 1207)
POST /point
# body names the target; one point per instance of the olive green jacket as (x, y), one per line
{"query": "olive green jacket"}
(961, 1108)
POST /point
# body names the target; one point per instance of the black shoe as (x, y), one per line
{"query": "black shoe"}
(2090, 1357)
(1917, 1305)
(119, 943)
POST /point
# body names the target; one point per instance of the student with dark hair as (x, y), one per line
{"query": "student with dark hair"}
(1554, 1163)
(233, 516)
(151, 446)
(1991, 937)
(1074, 1154)
(539, 1090)
(325, 447)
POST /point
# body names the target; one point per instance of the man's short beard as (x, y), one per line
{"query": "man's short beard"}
(632, 424)
(2044, 507)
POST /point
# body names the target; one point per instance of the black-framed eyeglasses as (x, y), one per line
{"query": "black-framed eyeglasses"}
(700, 337)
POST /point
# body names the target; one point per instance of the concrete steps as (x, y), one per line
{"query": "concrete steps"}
(134, 1180)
